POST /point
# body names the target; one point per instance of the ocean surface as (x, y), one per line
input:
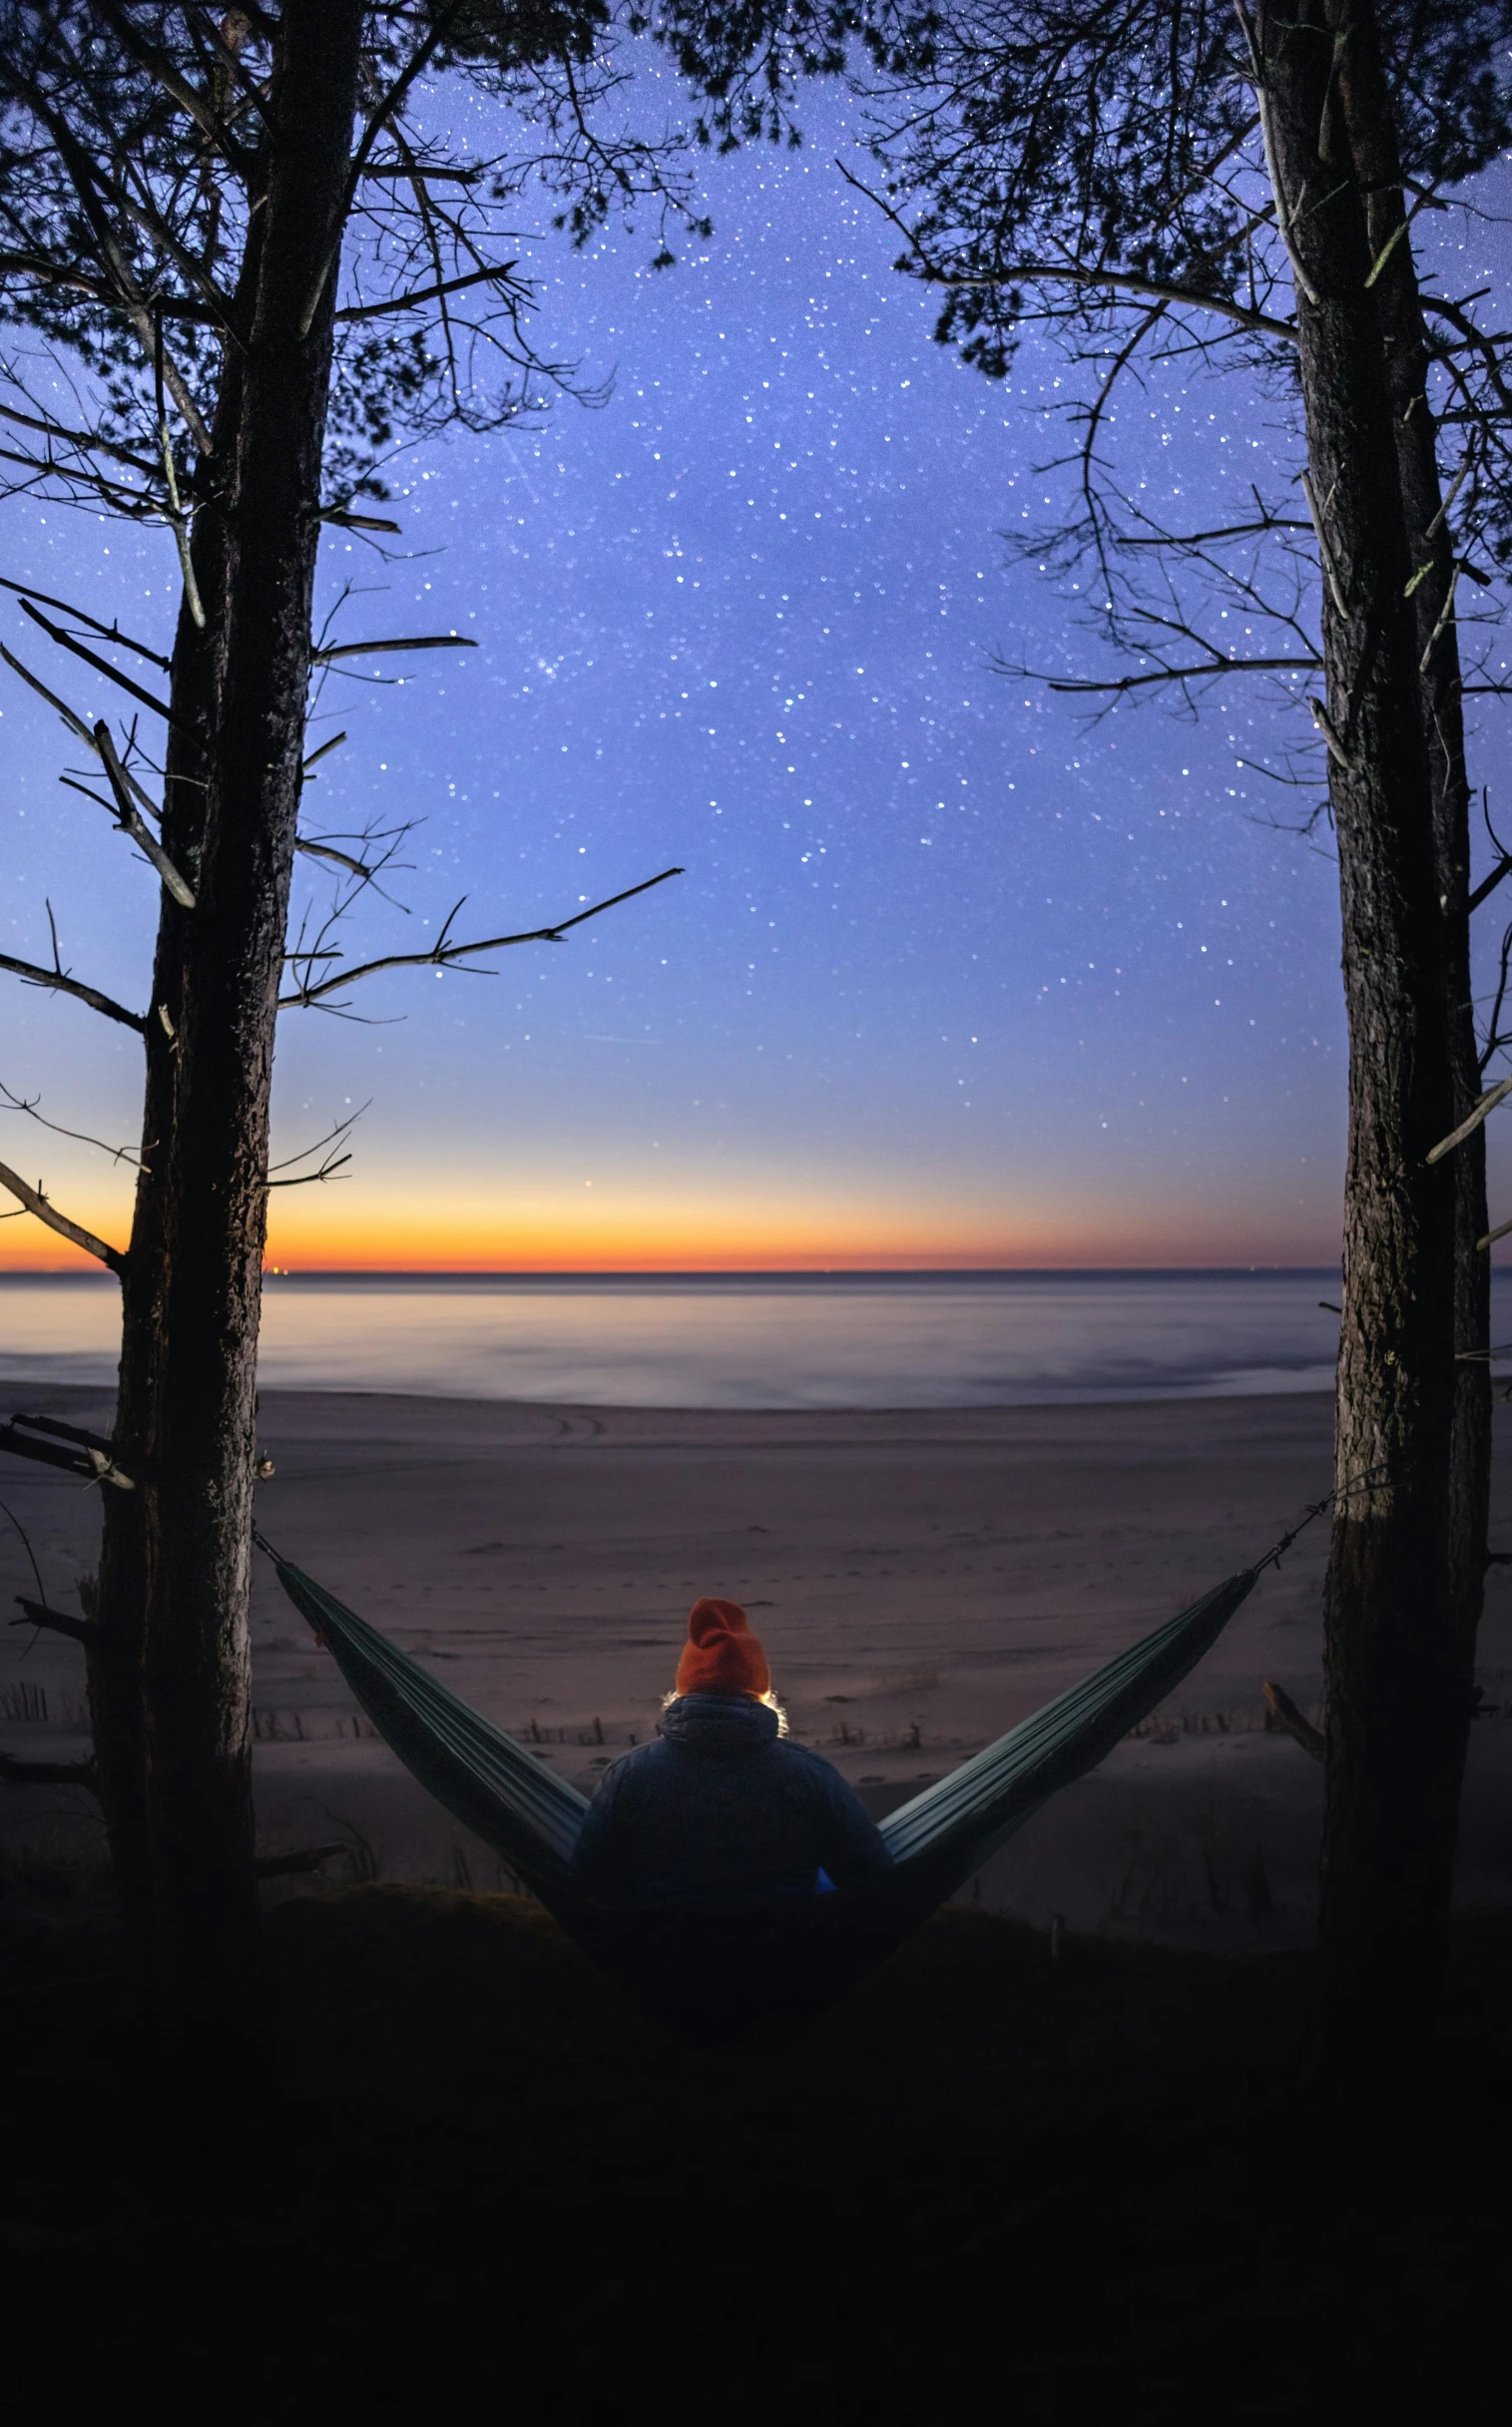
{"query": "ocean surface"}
(748, 1340)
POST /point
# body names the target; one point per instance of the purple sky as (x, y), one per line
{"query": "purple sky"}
(950, 977)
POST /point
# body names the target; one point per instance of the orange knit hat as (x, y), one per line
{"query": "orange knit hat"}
(722, 1656)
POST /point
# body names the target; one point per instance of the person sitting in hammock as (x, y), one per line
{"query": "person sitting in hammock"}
(722, 1810)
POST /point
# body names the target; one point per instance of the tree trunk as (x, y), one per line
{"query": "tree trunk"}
(206, 1307)
(130, 1519)
(1370, 120)
(1391, 1662)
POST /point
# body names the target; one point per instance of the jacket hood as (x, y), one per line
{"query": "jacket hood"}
(719, 1723)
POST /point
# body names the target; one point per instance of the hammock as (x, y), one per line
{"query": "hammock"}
(705, 1969)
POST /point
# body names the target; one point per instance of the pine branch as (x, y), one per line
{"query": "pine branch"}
(1076, 274)
(195, 105)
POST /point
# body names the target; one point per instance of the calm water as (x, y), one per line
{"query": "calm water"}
(886, 1341)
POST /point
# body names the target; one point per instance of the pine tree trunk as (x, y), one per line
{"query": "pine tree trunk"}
(200, 1298)
(1391, 1662)
(117, 1661)
(130, 1519)
(1371, 122)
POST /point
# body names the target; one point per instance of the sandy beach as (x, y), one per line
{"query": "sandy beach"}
(922, 1580)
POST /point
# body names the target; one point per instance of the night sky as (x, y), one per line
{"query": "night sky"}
(953, 978)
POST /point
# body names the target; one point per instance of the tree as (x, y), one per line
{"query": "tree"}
(1236, 186)
(261, 270)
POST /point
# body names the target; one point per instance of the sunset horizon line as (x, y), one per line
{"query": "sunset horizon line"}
(85, 1271)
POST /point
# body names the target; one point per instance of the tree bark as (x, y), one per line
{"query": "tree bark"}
(1366, 94)
(201, 1281)
(1391, 1665)
(131, 1521)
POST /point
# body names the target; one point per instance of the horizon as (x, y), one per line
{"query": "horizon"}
(85, 1269)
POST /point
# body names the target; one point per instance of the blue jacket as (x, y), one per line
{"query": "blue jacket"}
(722, 1810)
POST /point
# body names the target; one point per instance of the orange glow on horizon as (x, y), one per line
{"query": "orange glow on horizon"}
(715, 1237)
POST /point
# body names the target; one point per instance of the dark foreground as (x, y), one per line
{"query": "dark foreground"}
(988, 2187)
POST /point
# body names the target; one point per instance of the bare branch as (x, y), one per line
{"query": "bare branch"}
(1325, 552)
(178, 520)
(331, 1163)
(438, 169)
(1202, 539)
(58, 1621)
(76, 725)
(61, 983)
(1337, 747)
(28, 1105)
(380, 847)
(1492, 1237)
(1488, 884)
(303, 1180)
(366, 649)
(427, 295)
(49, 1774)
(445, 955)
(1175, 673)
(296, 1865)
(1494, 1039)
(89, 1454)
(342, 1129)
(324, 751)
(345, 520)
(1281, 1707)
(147, 843)
(36, 1203)
(343, 859)
(92, 1464)
(18, 1527)
(1488, 1104)
(65, 640)
(87, 441)
(79, 1435)
(110, 632)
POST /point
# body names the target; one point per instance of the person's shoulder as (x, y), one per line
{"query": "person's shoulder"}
(799, 1758)
(638, 1758)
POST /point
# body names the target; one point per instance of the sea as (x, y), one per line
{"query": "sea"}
(747, 1340)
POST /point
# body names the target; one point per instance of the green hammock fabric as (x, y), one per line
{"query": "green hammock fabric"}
(514, 1803)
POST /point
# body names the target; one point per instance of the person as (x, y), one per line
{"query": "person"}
(724, 1813)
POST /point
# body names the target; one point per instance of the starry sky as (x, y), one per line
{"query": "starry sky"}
(954, 977)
